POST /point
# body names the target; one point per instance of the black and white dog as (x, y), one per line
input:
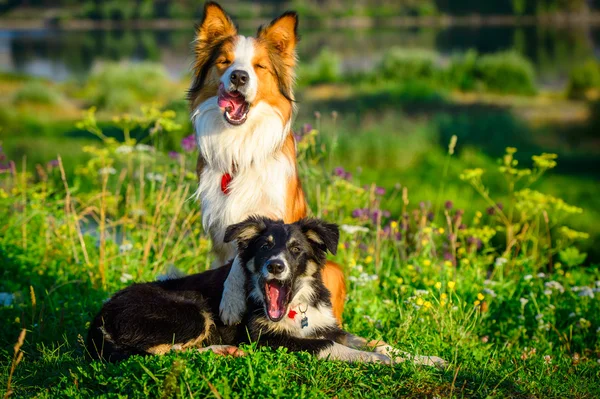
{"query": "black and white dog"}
(288, 305)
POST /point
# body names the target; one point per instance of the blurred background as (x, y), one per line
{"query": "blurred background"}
(387, 84)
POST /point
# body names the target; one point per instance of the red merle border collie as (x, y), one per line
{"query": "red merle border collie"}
(287, 304)
(241, 101)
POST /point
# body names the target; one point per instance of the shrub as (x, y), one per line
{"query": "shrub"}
(583, 78)
(462, 71)
(37, 93)
(121, 87)
(325, 68)
(507, 72)
(401, 64)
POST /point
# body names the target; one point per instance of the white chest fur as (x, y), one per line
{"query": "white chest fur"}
(251, 154)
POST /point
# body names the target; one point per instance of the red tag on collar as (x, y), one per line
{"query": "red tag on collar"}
(225, 180)
(292, 313)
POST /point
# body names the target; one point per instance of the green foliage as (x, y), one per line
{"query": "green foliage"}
(583, 78)
(507, 72)
(36, 92)
(404, 65)
(122, 87)
(325, 68)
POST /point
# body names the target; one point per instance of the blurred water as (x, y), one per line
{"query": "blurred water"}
(62, 55)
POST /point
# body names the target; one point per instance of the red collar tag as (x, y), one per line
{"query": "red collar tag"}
(292, 313)
(225, 180)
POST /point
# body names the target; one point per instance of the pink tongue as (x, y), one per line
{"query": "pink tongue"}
(234, 103)
(275, 296)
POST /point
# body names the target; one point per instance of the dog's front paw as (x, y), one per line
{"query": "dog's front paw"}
(433, 361)
(224, 350)
(231, 309)
(375, 357)
(399, 356)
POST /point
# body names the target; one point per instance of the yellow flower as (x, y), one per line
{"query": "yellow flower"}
(426, 262)
(394, 225)
(465, 261)
(478, 214)
(419, 301)
(444, 295)
(410, 267)
(427, 304)
(424, 241)
(3, 194)
(477, 303)
(369, 259)
(438, 285)
(480, 296)
(371, 250)
(451, 284)
(442, 303)
(461, 251)
(400, 280)
(448, 263)
(441, 230)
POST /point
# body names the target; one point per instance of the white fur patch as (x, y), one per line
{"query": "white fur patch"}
(243, 54)
(344, 353)
(233, 302)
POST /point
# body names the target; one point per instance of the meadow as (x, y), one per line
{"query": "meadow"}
(469, 228)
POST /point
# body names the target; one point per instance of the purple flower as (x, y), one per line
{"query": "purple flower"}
(358, 213)
(174, 155)
(339, 172)
(386, 214)
(462, 226)
(188, 143)
(347, 176)
(460, 212)
(448, 205)
(375, 215)
(10, 167)
(447, 255)
(430, 216)
(52, 164)
(499, 205)
(379, 191)
(306, 128)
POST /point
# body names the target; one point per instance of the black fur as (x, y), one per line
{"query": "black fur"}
(144, 316)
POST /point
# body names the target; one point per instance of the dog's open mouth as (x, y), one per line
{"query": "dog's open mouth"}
(277, 298)
(234, 105)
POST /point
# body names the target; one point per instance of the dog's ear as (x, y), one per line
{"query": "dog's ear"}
(215, 24)
(282, 34)
(245, 231)
(320, 233)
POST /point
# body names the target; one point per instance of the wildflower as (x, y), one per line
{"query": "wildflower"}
(421, 292)
(174, 155)
(399, 281)
(353, 229)
(480, 296)
(527, 277)
(572, 314)
(500, 261)
(52, 164)
(586, 291)
(447, 263)
(359, 213)
(539, 316)
(125, 277)
(485, 339)
(448, 205)
(477, 303)
(451, 284)
(124, 149)
(541, 275)
(379, 191)
(420, 302)
(125, 247)
(426, 262)
(427, 304)
(154, 176)
(523, 301)
(107, 171)
(490, 292)
(438, 285)
(554, 285)
(6, 298)
(188, 143)
(548, 292)
(478, 214)
(369, 259)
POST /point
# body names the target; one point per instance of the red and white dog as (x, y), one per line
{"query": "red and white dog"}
(241, 101)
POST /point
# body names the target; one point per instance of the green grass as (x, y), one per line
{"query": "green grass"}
(506, 330)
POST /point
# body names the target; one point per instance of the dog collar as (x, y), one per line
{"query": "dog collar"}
(225, 180)
(304, 321)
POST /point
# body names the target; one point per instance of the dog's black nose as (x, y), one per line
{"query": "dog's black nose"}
(275, 266)
(239, 78)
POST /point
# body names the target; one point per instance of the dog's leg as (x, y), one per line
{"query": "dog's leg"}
(384, 348)
(224, 350)
(233, 302)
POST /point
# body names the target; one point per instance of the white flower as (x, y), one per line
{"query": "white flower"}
(353, 279)
(548, 292)
(421, 292)
(523, 301)
(144, 148)
(555, 285)
(586, 291)
(489, 292)
(500, 261)
(528, 277)
(373, 277)
(125, 247)
(107, 171)
(598, 283)
(539, 316)
(541, 275)
(353, 229)
(575, 289)
(547, 359)
(124, 149)
(125, 277)
(154, 177)
(6, 298)
(572, 314)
